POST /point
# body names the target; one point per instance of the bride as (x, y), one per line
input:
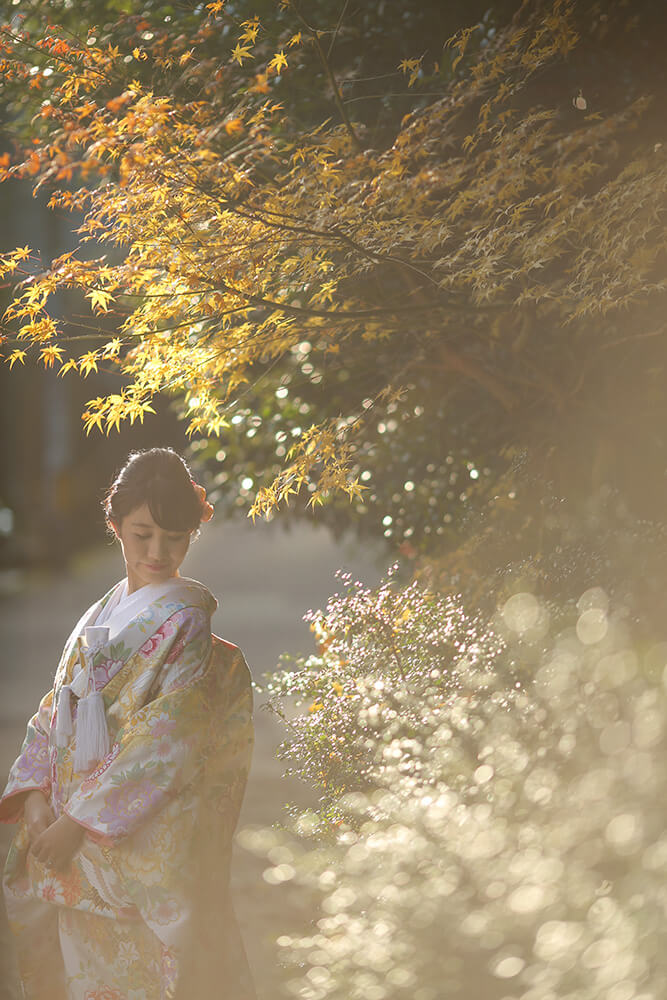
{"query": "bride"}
(131, 776)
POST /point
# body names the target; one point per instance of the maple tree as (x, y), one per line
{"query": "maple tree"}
(349, 300)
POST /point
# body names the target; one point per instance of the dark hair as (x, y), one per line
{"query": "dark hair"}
(160, 478)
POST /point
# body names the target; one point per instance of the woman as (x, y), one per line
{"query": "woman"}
(131, 776)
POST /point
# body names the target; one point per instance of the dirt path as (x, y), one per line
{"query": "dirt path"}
(265, 579)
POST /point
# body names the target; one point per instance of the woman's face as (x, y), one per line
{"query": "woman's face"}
(151, 554)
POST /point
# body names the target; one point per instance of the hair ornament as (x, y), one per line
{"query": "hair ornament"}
(207, 508)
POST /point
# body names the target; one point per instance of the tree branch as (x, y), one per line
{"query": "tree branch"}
(314, 34)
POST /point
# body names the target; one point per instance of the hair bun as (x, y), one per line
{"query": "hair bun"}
(160, 478)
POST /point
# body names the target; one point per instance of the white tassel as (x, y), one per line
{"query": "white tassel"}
(64, 716)
(92, 735)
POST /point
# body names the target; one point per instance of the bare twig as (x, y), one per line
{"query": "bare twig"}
(315, 35)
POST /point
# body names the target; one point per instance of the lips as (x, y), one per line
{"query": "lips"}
(155, 568)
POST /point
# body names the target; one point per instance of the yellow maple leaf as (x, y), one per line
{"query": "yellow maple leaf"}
(99, 299)
(250, 33)
(137, 409)
(295, 40)
(16, 356)
(67, 366)
(278, 61)
(240, 53)
(411, 66)
(113, 419)
(91, 420)
(50, 354)
(88, 363)
(112, 348)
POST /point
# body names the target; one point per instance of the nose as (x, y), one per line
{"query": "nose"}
(157, 552)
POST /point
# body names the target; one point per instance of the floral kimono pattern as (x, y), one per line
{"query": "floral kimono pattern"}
(143, 911)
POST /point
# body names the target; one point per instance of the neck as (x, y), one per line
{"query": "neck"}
(133, 583)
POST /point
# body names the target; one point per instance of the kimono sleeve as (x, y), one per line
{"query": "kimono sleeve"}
(233, 742)
(31, 769)
(156, 752)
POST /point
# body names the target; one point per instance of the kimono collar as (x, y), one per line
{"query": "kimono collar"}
(178, 590)
(143, 611)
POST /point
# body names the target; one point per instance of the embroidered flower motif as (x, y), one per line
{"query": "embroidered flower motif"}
(104, 671)
(162, 725)
(71, 886)
(131, 797)
(164, 749)
(166, 912)
(164, 842)
(51, 891)
(151, 644)
(167, 628)
(33, 761)
(127, 953)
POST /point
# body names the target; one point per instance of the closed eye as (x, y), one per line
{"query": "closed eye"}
(172, 538)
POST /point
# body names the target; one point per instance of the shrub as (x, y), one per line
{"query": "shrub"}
(382, 654)
(497, 839)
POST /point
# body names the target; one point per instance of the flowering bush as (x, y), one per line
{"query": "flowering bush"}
(499, 841)
(382, 654)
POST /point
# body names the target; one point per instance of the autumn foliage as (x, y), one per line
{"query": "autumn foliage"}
(482, 256)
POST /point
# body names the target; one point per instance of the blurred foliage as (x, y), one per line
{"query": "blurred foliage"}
(372, 647)
(394, 306)
(365, 44)
(491, 822)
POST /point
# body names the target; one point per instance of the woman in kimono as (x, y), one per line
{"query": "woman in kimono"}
(130, 780)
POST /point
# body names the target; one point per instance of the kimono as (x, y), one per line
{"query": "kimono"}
(143, 910)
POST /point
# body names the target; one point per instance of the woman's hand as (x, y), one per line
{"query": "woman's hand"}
(37, 813)
(56, 845)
